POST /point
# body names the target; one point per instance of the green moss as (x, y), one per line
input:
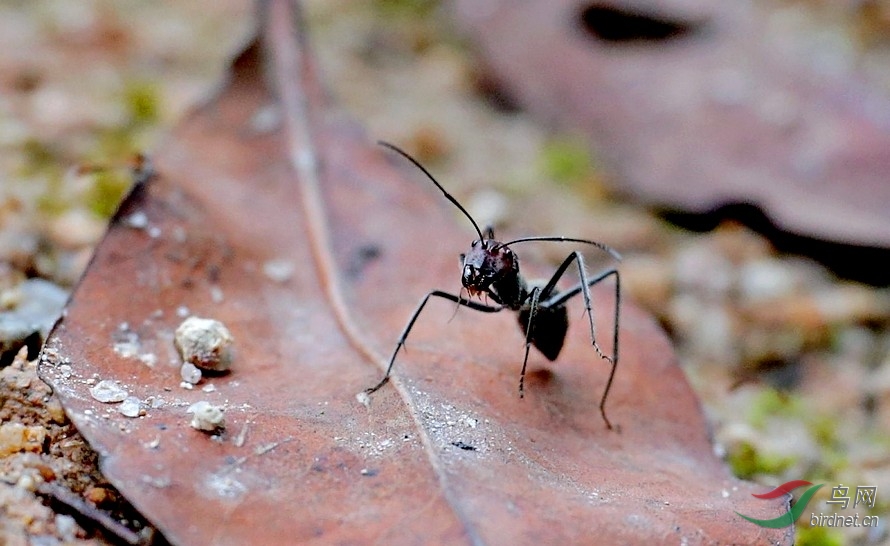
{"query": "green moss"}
(406, 8)
(567, 161)
(117, 145)
(746, 462)
(816, 536)
(824, 430)
(41, 162)
(770, 402)
(38, 158)
(142, 103)
(109, 187)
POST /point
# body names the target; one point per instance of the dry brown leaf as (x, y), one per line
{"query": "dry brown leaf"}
(447, 453)
(696, 105)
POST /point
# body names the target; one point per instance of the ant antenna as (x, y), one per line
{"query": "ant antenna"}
(611, 251)
(448, 196)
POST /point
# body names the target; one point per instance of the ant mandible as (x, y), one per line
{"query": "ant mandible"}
(491, 268)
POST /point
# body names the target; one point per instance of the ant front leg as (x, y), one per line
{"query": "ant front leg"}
(584, 288)
(404, 336)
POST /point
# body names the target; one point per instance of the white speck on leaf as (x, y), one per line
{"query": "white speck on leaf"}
(363, 399)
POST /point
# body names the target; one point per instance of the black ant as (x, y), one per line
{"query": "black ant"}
(491, 268)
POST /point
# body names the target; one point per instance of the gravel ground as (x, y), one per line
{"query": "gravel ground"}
(792, 364)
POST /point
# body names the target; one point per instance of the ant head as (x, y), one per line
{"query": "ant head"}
(486, 262)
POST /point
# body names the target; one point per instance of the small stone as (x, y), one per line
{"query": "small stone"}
(190, 373)
(98, 495)
(279, 270)
(363, 399)
(47, 474)
(766, 279)
(76, 228)
(66, 527)
(108, 392)
(206, 343)
(16, 437)
(131, 407)
(27, 482)
(206, 416)
(149, 359)
(137, 220)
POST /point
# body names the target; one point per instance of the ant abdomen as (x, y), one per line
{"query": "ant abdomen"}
(549, 327)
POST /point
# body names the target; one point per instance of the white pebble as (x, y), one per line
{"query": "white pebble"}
(363, 399)
(190, 373)
(137, 220)
(131, 407)
(279, 270)
(206, 343)
(66, 526)
(206, 416)
(108, 391)
(27, 482)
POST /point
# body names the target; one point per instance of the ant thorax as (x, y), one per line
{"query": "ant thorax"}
(493, 269)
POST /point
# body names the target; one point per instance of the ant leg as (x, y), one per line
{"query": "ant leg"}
(584, 287)
(562, 297)
(534, 298)
(404, 336)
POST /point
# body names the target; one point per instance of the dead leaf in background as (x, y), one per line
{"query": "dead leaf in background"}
(697, 105)
(263, 178)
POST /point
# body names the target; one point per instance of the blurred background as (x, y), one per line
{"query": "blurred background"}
(786, 345)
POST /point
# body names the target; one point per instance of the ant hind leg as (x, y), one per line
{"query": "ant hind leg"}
(584, 288)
